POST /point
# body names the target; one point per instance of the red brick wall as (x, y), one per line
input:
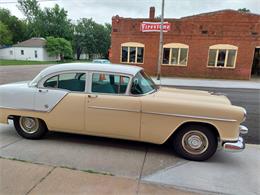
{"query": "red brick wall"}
(223, 27)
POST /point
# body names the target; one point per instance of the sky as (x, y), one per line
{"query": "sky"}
(103, 10)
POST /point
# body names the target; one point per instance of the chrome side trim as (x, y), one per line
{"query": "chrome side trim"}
(129, 110)
(25, 109)
(191, 116)
(116, 109)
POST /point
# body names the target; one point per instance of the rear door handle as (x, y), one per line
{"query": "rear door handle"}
(92, 96)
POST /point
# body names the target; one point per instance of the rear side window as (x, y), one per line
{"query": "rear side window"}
(68, 81)
(109, 83)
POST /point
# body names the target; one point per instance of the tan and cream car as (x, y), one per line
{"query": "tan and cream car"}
(121, 101)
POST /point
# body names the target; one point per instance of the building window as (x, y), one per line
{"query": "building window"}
(22, 52)
(35, 54)
(132, 52)
(175, 54)
(222, 56)
(11, 52)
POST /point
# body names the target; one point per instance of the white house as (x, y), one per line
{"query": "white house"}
(32, 49)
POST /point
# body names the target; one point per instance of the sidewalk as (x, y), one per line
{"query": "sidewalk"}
(27, 178)
(216, 83)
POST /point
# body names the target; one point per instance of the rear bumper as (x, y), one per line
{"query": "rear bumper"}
(237, 146)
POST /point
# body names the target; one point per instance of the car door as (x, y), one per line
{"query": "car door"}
(63, 97)
(110, 112)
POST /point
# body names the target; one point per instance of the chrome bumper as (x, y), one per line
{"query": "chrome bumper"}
(243, 129)
(236, 146)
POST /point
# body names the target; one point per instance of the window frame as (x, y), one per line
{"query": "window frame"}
(178, 46)
(113, 73)
(40, 84)
(136, 45)
(225, 47)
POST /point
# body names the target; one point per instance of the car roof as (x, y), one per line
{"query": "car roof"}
(114, 68)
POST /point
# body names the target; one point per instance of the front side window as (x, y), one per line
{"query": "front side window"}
(109, 83)
(175, 54)
(35, 54)
(222, 57)
(132, 53)
(68, 81)
(142, 84)
(22, 52)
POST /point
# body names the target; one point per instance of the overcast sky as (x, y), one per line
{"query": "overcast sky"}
(102, 10)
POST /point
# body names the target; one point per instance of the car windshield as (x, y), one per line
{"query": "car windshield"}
(142, 84)
(35, 81)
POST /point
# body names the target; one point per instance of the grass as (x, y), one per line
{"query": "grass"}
(64, 167)
(27, 62)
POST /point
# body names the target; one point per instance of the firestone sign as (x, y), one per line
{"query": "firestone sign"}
(154, 26)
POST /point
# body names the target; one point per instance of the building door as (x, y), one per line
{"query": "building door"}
(256, 62)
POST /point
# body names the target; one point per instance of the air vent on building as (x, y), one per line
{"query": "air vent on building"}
(204, 32)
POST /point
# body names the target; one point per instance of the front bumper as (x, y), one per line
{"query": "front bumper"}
(237, 146)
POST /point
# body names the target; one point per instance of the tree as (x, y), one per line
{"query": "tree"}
(47, 22)
(244, 10)
(59, 47)
(5, 35)
(91, 38)
(16, 27)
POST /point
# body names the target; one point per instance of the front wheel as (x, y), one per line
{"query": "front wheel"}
(195, 142)
(29, 127)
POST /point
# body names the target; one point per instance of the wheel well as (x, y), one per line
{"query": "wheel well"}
(208, 125)
(12, 117)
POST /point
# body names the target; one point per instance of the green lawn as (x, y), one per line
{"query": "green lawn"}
(27, 62)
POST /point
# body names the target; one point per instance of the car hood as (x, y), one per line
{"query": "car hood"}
(191, 95)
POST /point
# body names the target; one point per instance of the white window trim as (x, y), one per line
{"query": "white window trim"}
(178, 46)
(128, 45)
(226, 47)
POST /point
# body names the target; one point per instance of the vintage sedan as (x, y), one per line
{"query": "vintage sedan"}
(121, 101)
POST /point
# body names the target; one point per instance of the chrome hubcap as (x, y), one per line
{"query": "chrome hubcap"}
(28, 124)
(195, 142)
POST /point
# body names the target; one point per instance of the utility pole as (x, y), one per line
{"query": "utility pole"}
(160, 44)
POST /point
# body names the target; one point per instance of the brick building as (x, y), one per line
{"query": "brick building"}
(221, 44)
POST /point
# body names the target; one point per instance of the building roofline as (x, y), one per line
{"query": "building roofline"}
(220, 11)
(186, 17)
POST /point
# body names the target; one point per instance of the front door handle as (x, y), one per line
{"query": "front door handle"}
(43, 90)
(92, 96)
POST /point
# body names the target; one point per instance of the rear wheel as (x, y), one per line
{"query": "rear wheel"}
(195, 142)
(29, 127)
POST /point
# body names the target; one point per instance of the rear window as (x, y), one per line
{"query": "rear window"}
(68, 81)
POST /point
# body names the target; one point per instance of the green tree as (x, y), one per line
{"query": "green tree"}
(5, 35)
(244, 10)
(46, 22)
(91, 38)
(16, 27)
(59, 47)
